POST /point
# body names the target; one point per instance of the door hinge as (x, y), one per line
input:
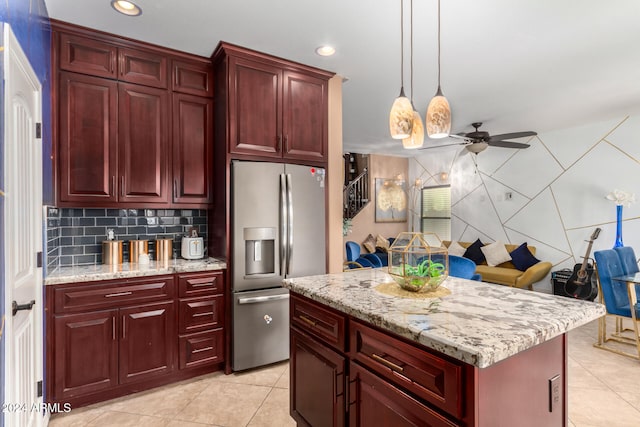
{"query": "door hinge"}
(39, 388)
(38, 130)
(39, 259)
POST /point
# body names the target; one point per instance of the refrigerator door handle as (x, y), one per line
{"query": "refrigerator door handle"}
(284, 222)
(290, 224)
(255, 300)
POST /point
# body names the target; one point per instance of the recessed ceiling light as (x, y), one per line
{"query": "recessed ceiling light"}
(126, 7)
(326, 50)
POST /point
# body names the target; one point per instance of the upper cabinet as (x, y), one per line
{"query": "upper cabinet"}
(133, 122)
(271, 108)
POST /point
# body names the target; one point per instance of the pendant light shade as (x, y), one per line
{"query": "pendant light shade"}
(438, 117)
(401, 115)
(438, 120)
(416, 140)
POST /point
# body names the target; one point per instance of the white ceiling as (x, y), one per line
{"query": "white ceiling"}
(514, 65)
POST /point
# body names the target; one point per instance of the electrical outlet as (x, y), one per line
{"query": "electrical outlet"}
(555, 395)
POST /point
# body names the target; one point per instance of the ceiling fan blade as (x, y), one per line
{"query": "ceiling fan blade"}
(508, 144)
(443, 145)
(512, 135)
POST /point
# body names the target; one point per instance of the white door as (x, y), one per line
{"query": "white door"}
(23, 236)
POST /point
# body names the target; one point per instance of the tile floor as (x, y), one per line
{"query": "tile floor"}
(604, 391)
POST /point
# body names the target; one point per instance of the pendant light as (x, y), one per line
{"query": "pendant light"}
(438, 113)
(416, 139)
(401, 115)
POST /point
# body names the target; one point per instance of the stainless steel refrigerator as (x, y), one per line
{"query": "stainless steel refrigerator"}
(278, 231)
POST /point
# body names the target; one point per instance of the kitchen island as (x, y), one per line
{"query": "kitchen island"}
(479, 355)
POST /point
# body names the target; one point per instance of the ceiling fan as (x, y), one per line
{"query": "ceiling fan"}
(478, 140)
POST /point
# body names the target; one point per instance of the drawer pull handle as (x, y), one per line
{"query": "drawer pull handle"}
(208, 313)
(307, 320)
(201, 285)
(200, 350)
(118, 294)
(388, 364)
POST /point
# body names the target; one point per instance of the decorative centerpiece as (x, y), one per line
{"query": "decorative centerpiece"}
(418, 262)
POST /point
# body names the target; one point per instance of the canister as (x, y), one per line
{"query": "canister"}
(137, 247)
(164, 249)
(112, 252)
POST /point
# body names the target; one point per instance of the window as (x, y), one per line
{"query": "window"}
(435, 214)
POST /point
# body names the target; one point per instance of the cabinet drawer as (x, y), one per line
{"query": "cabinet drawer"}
(92, 295)
(327, 325)
(422, 373)
(200, 314)
(203, 348)
(193, 285)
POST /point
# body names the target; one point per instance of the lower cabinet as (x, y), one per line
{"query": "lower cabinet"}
(111, 338)
(317, 382)
(147, 342)
(376, 402)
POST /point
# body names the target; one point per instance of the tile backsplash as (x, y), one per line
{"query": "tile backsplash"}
(75, 235)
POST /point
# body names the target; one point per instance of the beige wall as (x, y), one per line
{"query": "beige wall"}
(335, 173)
(364, 223)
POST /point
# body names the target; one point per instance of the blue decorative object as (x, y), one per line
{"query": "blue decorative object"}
(522, 258)
(618, 243)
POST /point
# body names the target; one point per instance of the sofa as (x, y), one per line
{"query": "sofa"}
(507, 273)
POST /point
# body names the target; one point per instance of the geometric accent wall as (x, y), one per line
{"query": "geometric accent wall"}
(551, 195)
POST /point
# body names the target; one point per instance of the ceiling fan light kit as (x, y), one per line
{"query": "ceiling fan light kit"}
(401, 115)
(438, 120)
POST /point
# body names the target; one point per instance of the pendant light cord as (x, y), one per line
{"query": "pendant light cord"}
(438, 45)
(411, 50)
(402, 44)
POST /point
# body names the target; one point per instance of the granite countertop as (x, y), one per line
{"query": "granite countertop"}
(89, 273)
(478, 323)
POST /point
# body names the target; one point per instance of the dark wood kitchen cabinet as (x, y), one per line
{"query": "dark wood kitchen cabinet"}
(143, 144)
(192, 148)
(111, 338)
(117, 138)
(344, 372)
(87, 147)
(88, 55)
(112, 151)
(273, 108)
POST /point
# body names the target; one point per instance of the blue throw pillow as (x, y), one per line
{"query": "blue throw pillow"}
(474, 253)
(522, 257)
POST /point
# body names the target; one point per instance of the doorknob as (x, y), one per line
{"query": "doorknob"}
(17, 307)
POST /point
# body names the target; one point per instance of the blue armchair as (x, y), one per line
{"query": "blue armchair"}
(463, 267)
(620, 300)
(364, 260)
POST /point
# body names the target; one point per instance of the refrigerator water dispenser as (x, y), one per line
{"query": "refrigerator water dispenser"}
(259, 250)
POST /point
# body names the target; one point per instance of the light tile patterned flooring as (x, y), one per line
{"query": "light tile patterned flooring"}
(604, 391)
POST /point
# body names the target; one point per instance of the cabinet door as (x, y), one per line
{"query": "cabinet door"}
(142, 67)
(373, 401)
(317, 382)
(85, 353)
(87, 145)
(143, 144)
(192, 148)
(88, 56)
(254, 108)
(147, 343)
(194, 78)
(304, 117)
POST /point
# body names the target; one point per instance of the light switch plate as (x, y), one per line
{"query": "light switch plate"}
(554, 392)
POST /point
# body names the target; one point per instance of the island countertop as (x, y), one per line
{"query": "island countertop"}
(478, 323)
(89, 273)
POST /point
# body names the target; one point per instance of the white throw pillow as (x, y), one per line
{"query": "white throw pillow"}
(495, 253)
(456, 248)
